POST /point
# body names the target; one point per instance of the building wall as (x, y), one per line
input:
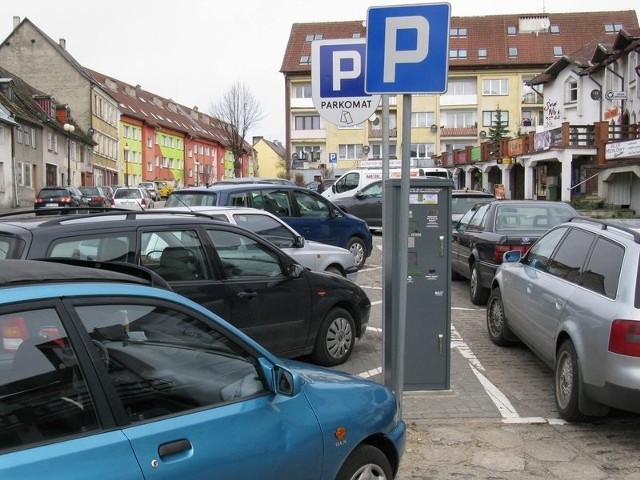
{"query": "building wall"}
(268, 160)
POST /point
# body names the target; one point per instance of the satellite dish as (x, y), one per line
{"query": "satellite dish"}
(544, 24)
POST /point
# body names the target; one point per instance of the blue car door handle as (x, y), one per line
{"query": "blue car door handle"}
(171, 448)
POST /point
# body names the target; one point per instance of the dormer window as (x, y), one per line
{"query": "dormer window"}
(313, 36)
(512, 31)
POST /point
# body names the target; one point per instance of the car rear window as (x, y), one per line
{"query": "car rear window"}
(192, 199)
(542, 218)
(127, 193)
(461, 204)
(53, 192)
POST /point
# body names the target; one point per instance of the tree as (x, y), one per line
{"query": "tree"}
(238, 111)
(497, 132)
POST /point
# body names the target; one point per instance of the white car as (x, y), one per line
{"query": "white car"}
(313, 255)
(132, 198)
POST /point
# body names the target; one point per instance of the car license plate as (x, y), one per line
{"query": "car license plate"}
(51, 204)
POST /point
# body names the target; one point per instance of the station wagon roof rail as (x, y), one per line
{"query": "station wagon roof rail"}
(606, 225)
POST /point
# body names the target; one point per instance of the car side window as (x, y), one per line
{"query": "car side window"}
(267, 227)
(243, 257)
(165, 361)
(603, 269)
(239, 199)
(105, 248)
(274, 201)
(570, 256)
(373, 191)
(539, 254)
(348, 182)
(310, 205)
(478, 218)
(43, 393)
(176, 255)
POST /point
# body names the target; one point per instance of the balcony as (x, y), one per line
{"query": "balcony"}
(377, 133)
(459, 132)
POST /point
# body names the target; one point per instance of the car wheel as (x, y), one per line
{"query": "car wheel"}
(335, 339)
(366, 461)
(358, 249)
(478, 293)
(499, 332)
(568, 383)
(332, 269)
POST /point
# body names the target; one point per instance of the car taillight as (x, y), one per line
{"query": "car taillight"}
(65, 199)
(39, 200)
(14, 332)
(143, 202)
(624, 338)
(500, 250)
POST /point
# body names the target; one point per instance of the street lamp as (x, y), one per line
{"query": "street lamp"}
(69, 129)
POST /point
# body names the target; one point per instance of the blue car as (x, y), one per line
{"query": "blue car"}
(108, 374)
(307, 212)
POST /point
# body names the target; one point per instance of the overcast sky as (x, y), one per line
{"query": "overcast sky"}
(194, 50)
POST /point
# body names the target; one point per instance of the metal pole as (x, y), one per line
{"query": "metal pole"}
(68, 161)
(401, 255)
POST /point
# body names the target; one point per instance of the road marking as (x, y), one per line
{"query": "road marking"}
(498, 398)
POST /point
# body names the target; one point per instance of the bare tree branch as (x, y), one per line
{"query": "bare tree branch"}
(238, 111)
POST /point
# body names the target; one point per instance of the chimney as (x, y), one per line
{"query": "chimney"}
(63, 43)
(16, 22)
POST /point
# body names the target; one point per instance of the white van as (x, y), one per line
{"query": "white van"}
(353, 180)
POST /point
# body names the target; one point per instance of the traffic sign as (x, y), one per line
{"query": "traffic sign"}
(333, 158)
(611, 95)
(407, 49)
(337, 82)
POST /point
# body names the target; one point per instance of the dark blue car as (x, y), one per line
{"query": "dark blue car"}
(309, 213)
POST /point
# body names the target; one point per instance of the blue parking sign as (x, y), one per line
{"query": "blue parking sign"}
(407, 49)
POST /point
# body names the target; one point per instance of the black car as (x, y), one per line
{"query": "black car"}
(229, 270)
(57, 197)
(95, 196)
(365, 204)
(489, 230)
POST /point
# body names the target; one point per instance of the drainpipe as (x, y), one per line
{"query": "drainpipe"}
(600, 99)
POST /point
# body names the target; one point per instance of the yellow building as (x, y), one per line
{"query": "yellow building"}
(490, 60)
(269, 158)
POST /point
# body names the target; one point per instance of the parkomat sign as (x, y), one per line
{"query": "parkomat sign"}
(337, 81)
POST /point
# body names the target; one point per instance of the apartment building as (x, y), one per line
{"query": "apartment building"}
(492, 60)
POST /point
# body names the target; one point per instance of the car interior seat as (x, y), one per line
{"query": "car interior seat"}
(178, 264)
(114, 250)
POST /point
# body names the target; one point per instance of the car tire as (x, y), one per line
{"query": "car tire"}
(358, 249)
(332, 269)
(366, 461)
(568, 384)
(497, 328)
(477, 292)
(335, 339)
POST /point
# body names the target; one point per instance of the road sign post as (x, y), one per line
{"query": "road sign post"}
(407, 51)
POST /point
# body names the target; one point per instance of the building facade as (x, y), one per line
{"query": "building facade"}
(492, 60)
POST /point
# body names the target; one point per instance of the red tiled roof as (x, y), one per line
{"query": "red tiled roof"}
(161, 112)
(487, 32)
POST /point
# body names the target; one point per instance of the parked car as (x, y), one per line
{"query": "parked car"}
(109, 190)
(95, 197)
(463, 199)
(488, 230)
(231, 271)
(164, 188)
(309, 254)
(152, 189)
(365, 204)
(132, 198)
(134, 381)
(574, 300)
(310, 214)
(59, 197)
